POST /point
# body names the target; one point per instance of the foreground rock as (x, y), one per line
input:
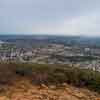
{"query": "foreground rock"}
(24, 90)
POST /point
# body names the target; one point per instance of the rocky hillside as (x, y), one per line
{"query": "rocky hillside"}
(22, 89)
(46, 82)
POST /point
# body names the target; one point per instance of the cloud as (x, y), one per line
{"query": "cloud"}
(80, 25)
(83, 25)
(68, 17)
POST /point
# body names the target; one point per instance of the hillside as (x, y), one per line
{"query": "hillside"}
(47, 82)
(22, 89)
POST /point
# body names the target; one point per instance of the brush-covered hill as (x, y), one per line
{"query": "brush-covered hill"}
(47, 82)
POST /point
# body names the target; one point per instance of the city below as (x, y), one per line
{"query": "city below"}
(51, 50)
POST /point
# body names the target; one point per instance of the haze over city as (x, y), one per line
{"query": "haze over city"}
(60, 17)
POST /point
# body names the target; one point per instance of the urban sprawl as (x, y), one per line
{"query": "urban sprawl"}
(83, 57)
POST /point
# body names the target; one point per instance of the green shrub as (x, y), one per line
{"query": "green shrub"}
(57, 74)
(24, 70)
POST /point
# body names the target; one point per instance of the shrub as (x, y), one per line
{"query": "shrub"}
(58, 74)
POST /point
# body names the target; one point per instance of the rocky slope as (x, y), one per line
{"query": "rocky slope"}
(22, 89)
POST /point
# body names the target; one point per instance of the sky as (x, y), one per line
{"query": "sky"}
(60, 17)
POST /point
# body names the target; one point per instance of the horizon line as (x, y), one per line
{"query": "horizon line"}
(48, 34)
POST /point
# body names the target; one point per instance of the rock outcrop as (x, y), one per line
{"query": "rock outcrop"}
(25, 90)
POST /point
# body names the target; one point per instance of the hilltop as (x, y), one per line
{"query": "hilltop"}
(22, 89)
(47, 82)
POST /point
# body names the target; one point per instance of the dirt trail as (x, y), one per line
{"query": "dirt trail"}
(24, 90)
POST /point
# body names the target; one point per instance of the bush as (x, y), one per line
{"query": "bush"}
(58, 74)
(24, 70)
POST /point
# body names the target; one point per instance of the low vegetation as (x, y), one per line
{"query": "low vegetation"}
(51, 74)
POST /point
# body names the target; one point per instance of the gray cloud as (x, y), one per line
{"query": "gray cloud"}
(70, 17)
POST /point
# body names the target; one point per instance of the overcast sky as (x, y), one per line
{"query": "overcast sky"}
(67, 17)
